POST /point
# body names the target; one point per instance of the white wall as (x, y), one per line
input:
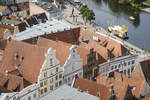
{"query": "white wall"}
(73, 66)
(28, 92)
(48, 73)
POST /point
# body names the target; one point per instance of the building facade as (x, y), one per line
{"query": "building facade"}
(73, 66)
(124, 64)
(51, 74)
(69, 58)
(29, 93)
(50, 78)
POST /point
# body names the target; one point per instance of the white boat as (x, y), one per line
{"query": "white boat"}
(132, 18)
(119, 31)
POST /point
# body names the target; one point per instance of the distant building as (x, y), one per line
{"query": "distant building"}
(51, 11)
(51, 29)
(124, 64)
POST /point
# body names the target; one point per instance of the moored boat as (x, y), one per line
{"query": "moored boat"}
(120, 31)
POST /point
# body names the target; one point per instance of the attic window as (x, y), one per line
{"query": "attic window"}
(16, 57)
(21, 58)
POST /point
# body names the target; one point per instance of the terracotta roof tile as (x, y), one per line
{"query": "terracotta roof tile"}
(62, 48)
(2, 30)
(32, 59)
(121, 82)
(145, 67)
(92, 88)
(114, 47)
(11, 82)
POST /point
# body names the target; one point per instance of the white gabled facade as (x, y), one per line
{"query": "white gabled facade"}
(50, 78)
(51, 74)
(73, 65)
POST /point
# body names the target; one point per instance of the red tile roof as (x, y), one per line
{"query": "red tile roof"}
(114, 47)
(11, 83)
(121, 82)
(92, 88)
(62, 48)
(29, 59)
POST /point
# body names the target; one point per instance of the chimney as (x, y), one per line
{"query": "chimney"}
(6, 72)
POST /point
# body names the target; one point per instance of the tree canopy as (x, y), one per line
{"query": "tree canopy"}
(87, 13)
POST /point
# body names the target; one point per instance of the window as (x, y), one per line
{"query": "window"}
(132, 68)
(45, 74)
(112, 67)
(51, 80)
(128, 71)
(65, 80)
(115, 66)
(45, 89)
(60, 75)
(133, 61)
(51, 61)
(56, 77)
(129, 63)
(51, 87)
(124, 71)
(60, 83)
(125, 63)
(69, 34)
(68, 78)
(56, 84)
(29, 98)
(119, 66)
(45, 82)
(57, 69)
(41, 84)
(41, 91)
(34, 95)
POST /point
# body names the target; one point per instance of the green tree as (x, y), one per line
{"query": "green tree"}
(87, 14)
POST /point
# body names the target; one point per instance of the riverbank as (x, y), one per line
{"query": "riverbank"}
(147, 10)
(78, 21)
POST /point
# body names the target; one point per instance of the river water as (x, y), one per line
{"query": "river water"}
(108, 12)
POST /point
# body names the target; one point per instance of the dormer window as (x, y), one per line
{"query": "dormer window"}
(16, 56)
(21, 58)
